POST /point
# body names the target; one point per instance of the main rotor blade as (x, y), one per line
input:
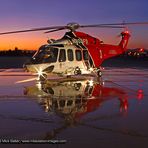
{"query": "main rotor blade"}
(34, 29)
(55, 30)
(114, 24)
(102, 26)
(74, 26)
(131, 23)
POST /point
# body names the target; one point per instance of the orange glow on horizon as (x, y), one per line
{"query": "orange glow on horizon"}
(24, 41)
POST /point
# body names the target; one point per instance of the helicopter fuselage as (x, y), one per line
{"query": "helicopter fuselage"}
(76, 53)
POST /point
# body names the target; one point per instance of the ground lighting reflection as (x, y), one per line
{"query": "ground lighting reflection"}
(77, 97)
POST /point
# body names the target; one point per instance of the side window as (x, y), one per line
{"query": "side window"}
(85, 54)
(70, 54)
(78, 55)
(62, 56)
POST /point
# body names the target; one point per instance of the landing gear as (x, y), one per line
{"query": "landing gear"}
(77, 71)
(99, 73)
(77, 86)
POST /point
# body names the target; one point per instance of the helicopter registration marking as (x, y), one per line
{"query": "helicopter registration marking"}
(80, 41)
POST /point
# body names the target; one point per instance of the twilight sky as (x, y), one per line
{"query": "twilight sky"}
(25, 14)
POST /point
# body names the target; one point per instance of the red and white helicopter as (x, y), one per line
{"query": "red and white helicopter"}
(76, 53)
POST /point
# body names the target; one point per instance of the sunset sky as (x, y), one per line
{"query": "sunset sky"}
(25, 14)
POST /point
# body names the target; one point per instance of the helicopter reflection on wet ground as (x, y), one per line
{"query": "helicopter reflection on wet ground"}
(111, 112)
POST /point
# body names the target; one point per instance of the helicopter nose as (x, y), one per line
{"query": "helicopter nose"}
(30, 68)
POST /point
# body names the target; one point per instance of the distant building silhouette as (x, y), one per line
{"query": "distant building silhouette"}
(17, 52)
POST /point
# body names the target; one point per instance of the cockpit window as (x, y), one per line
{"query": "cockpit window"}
(45, 55)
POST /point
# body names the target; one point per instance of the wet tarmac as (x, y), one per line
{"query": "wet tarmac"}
(110, 112)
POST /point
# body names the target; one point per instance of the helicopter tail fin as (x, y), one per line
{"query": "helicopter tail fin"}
(108, 51)
(125, 38)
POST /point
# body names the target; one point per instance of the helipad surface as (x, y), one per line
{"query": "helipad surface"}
(108, 113)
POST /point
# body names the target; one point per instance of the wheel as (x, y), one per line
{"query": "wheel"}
(77, 86)
(77, 71)
(99, 73)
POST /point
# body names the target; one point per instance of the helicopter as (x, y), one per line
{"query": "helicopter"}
(76, 53)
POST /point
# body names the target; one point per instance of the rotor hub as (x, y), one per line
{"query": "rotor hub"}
(73, 26)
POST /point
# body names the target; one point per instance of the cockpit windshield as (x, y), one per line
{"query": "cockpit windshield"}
(45, 54)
